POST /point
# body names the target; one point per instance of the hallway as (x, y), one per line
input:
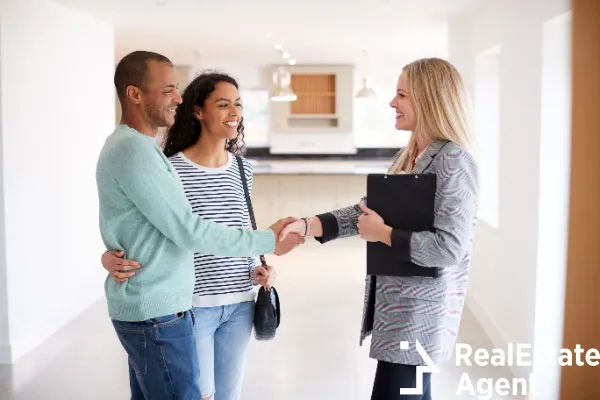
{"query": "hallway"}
(315, 356)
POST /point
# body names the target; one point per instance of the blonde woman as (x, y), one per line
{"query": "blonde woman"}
(430, 102)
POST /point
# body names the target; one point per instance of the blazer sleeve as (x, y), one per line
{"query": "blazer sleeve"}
(343, 222)
(454, 220)
(340, 223)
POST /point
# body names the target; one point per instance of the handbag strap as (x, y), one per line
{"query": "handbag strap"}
(263, 261)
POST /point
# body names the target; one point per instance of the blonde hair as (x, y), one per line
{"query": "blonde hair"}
(442, 109)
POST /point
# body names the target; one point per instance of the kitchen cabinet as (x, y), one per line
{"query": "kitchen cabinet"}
(325, 100)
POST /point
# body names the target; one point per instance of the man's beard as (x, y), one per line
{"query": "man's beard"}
(156, 115)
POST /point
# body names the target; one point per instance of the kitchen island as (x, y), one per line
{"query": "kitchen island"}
(301, 187)
(319, 167)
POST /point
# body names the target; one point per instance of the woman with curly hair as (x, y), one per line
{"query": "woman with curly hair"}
(202, 145)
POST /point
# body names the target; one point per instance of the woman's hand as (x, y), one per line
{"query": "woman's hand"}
(372, 228)
(119, 268)
(264, 276)
(298, 226)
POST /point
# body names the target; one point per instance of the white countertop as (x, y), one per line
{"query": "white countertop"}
(319, 167)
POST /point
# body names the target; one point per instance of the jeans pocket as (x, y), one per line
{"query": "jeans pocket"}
(134, 343)
(168, 320)
(177, 326)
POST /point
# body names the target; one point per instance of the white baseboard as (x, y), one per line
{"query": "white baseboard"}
(21, 346)
(6, 354)
(494, 333)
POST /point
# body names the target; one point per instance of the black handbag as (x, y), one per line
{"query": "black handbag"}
(267, 313)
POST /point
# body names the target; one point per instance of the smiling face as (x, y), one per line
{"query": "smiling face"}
(222, 112)
(160, 97)
(406, 119)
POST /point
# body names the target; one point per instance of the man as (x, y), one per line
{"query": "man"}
(144, 212)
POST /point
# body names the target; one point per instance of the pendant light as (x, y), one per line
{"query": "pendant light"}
(365, 92)
(282, 79)
(282, 90)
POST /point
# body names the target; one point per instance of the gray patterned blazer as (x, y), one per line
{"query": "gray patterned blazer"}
(417, 308)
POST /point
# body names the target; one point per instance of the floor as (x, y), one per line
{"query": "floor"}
(315, 355)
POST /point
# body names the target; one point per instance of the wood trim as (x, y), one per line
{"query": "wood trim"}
(582, 316)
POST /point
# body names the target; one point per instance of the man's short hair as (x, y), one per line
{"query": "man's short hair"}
(132, 70)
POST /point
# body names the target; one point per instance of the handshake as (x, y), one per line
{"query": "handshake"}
(289, 233)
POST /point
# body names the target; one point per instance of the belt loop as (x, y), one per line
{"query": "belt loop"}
(193, 317)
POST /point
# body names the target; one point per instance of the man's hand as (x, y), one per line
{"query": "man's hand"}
(119, 268)
(278, 226)
(292, 240)
(298, 227)
(371, 226)
(264, 276)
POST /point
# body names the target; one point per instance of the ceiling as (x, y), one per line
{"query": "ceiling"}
(313, 31)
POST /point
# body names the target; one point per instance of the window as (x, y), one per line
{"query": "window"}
(256, 117)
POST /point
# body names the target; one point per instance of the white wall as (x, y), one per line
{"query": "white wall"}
(4, 337)
(502, 292)
(554, 202)
(57, 110)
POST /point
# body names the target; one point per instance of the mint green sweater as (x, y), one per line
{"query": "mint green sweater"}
(145, 213)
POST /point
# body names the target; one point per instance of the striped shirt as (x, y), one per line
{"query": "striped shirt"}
(217, 194)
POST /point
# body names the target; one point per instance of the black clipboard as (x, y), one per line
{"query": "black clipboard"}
(404, 201)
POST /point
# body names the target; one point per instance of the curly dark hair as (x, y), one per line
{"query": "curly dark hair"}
(186, 130)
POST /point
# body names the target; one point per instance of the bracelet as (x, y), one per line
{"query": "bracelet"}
(305, 225)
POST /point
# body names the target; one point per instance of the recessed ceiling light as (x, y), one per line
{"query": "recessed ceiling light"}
(292, 62)
(286, 55)
(278, 47)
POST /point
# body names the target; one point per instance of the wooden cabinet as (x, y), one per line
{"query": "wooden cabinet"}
(316, 94)
(324, 104)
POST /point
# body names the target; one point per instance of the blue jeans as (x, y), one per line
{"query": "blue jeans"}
(222, 337)
(162, 357)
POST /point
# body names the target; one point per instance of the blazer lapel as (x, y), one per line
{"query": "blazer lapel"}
(428, 156)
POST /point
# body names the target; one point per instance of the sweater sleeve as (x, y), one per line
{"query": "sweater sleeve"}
(146, 178)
